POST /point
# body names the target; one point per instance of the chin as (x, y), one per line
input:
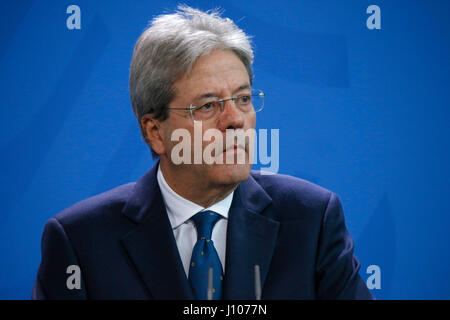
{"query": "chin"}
(228, 174)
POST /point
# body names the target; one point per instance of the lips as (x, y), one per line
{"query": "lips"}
(235, 147)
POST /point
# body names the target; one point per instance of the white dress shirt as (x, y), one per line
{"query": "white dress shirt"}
(181, 210)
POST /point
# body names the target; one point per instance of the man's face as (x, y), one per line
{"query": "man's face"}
(219, 74)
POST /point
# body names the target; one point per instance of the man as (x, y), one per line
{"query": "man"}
(197, 230)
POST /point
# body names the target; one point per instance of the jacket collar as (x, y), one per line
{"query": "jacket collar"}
(251, 238)
(146, 189)
(151, 244)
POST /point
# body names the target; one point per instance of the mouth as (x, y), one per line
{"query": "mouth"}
(234, 148)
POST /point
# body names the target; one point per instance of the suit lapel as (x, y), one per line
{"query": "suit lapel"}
(251, 239)
(151, 245)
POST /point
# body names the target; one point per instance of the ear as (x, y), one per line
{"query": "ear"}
(154, 134)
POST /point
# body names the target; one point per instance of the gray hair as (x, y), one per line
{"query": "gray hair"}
(169, 48)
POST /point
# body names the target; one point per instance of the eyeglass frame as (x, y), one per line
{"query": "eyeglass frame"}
(192, 108)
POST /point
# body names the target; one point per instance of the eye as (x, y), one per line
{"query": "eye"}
(207, 106)
(245, 99)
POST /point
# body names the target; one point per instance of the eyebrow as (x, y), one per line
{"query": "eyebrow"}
(215, 95)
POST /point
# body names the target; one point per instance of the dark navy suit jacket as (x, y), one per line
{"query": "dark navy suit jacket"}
(123, 243)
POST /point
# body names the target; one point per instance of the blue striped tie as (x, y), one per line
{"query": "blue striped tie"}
(204, 257)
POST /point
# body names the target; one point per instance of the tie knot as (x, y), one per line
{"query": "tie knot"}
(204, 223)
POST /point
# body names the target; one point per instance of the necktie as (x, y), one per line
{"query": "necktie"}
(204, 257)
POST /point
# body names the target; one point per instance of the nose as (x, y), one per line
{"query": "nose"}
(231, 117)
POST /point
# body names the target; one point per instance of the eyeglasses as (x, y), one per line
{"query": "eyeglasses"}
(246, 103)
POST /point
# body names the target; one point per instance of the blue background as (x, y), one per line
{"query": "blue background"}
(362, 112)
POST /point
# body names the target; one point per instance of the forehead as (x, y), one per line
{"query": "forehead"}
(220, 72)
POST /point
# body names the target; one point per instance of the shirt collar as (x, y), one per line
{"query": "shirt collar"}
(179, 209)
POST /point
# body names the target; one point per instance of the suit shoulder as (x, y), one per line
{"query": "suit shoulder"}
(289, 185)
(96, 206)
(289, 191)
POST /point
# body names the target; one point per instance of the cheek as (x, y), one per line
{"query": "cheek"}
(166, 132)
(179, 133)
(171, 125)
(251, 120)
